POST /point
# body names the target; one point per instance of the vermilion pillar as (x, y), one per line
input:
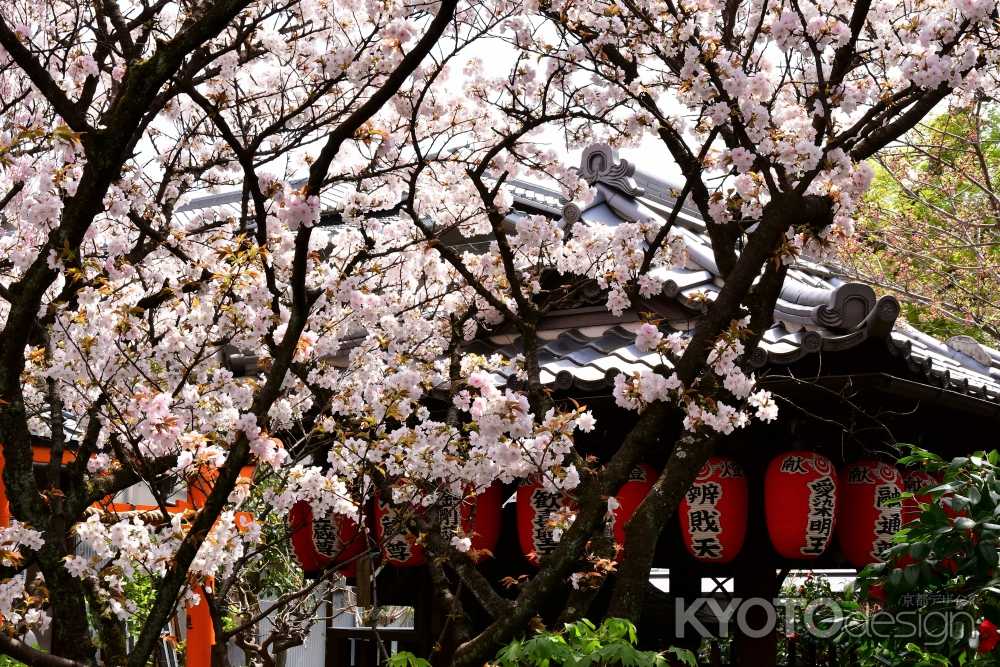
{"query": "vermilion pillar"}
(200, 630)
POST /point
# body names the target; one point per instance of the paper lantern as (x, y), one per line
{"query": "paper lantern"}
(536, 506)
(713, 512)
(480, 518)
(631, 493)
(399, 545)
(800, 503)
(319, 543)
(913, 481)
(869, 494)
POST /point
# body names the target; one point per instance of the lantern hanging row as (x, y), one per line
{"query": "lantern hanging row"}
(806, 501)
(336, 541)
(803, 497)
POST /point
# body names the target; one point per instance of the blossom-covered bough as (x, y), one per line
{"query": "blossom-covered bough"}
(363, 139)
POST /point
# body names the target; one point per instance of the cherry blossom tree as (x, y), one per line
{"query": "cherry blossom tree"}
(120, 309)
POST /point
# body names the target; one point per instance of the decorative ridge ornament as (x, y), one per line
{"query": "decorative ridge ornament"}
(600, 164)
(848, 306)
(845, 307)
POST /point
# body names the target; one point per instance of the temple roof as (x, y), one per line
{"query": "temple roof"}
(818, 310)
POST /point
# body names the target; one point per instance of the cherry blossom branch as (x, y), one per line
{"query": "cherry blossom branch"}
(239, 452)
(42, 80)
(360, 116)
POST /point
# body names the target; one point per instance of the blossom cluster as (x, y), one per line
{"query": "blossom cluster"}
(112, 550)
(703, 406)
(22, 610)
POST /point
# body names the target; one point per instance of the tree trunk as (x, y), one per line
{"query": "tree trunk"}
(643, 531)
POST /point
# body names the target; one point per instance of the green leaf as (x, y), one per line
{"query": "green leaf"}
(580, 644)
(684, 655)
(964, 523)
(919, 550)
(407, 659)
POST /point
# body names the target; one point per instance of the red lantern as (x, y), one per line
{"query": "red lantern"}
(870, 489)
(713, 512)
(318, 543)
(913, 481)
(800, 502)
(480, 517)
(632, 492)
(536, 506)
(399, 545)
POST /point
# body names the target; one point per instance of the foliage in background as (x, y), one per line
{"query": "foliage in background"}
(141, 593)
(941, 574)
(796, 641)
(407, 659)
(929, 228)
(582, 644)
(274, 571)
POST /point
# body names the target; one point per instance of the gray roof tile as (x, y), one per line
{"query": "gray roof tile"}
(817, 310)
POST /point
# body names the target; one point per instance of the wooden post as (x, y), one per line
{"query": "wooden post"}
(756, 576)
(363, 582)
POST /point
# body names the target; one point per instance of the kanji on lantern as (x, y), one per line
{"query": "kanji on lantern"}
(476, 518)
(801, 503)
(399, 543)
(870, 497)
(915, 481)
(713, 512)
(540, 514)
(320, 543)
